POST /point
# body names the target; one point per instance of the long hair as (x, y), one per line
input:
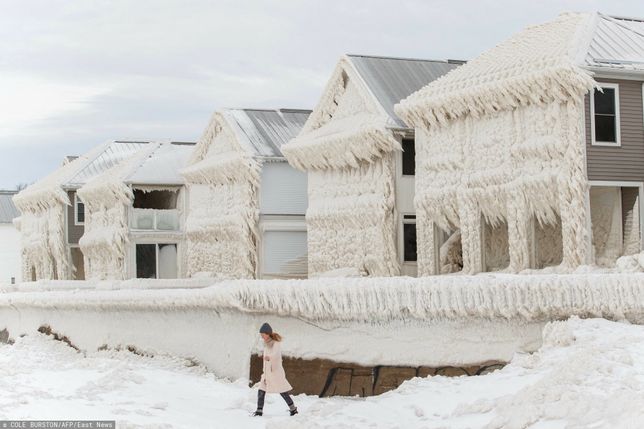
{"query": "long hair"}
(275, 336)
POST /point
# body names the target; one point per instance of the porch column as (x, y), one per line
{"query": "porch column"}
(426, 246)
(520, 234)
(471, 234)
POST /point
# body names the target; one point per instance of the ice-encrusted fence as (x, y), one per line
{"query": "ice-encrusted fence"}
(500, 296)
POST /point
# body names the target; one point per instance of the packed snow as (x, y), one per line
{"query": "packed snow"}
(588, 373)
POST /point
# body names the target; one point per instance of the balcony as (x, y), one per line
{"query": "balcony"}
(155, 220)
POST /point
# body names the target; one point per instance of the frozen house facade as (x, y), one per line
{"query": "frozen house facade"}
(246, 204)
(52, 217)
(532, 154)
(359, 156)
(10, 267)
(135, 215)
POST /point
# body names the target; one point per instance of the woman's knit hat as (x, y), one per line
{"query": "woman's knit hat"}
(266, 329)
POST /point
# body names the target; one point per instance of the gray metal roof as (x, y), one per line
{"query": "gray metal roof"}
(617, 43)
(264, 131)
(8, 210)
(113, 154)
(393, 79)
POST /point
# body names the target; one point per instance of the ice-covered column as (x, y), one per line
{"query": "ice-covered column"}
(573, 192)
(471, 237)
(426, 245)
(519, 231)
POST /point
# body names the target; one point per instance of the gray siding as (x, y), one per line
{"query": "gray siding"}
(625, 163)
(74, 232)
(283, 190)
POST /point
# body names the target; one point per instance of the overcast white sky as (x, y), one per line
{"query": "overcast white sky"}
(74, 74)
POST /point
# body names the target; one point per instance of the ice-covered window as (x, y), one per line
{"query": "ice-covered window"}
(408, 157)
(604, 113)
(156, 261)
(409, 238)
(79, 211)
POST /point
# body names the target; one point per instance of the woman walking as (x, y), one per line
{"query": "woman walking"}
(273, 378)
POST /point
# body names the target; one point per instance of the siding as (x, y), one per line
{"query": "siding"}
(74, 232)
(283, 190)
(625, 163)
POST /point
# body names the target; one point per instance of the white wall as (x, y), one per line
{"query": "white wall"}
(283, 190)
(10, 265)
(224, 340)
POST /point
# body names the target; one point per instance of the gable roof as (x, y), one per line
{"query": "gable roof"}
(262, 132)
(162, 165)
(8, 210)
(541, 63)
(616, 43)
(536, 65)
(391, 79)
(113, 153)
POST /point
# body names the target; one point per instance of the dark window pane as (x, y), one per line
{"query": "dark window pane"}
(408, 157)
(409, 233)
(80, 212)
(605, 102)
(604, 128)
(146, 261)
(161, 200)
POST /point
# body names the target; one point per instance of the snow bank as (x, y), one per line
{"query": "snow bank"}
(587, 374)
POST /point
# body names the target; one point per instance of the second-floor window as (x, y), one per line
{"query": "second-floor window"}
(79, 211)
(604, 113)
(409, 238)
(408, 157)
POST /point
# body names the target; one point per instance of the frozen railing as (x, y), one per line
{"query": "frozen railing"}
(155, 220)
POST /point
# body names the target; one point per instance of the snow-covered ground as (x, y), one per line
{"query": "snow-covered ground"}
(588, 374)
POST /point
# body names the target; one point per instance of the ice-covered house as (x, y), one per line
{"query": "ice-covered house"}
(359, 156)
(532, 154)
(246, 204)
(10, 268)
(52, 218)
(135, 215)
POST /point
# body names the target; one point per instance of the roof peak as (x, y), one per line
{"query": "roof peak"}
(267, 109)
(384, 57)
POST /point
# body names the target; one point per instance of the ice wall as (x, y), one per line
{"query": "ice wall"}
(223, 205)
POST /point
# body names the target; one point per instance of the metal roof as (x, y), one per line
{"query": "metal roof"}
(8, 210)
(264, 131)
(162, 166)
(616, 43)
(113, 154)
(393, 79)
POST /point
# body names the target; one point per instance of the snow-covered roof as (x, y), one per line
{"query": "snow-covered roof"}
(353, 120)
(112, 154)
(550, 61)
(8, 210)
(262, 132)
(391, 79)
(161, 167)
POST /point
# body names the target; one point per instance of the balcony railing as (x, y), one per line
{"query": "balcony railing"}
(155, 220)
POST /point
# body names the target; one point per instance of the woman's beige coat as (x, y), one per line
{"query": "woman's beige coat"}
(274, 378)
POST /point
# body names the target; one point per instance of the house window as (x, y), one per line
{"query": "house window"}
(409, 240)
(79, 211)
(604, 113)
(156, 261)
(408, 157)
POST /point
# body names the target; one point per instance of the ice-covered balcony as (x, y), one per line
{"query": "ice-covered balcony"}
(155, 219)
